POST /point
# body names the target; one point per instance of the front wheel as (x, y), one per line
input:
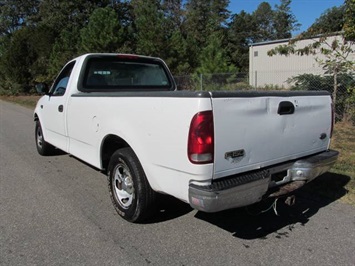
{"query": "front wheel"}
(43, 147)
(130, 192)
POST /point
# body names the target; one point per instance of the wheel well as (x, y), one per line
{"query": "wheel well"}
(110, 144)
(35, 117)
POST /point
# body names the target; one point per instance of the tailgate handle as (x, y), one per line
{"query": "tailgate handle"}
(286, 108)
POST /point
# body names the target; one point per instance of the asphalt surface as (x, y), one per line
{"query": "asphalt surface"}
(56, 211)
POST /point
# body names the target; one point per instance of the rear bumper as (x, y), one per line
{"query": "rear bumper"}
(245, 189)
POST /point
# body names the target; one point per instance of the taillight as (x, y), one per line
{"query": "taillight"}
(333, 120)
(201, 138)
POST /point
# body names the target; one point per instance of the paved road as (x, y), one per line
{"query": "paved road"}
(56, 211)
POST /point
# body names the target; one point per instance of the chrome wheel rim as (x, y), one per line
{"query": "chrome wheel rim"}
(39, 138)
(123, 185)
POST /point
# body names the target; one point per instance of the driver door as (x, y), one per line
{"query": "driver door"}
(54, 110)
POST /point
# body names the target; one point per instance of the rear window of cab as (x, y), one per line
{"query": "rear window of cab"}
(123, 73)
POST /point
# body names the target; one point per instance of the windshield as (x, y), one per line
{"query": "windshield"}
(113, 72)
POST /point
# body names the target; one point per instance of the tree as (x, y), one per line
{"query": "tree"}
(336, 60)
(345, 101)
(67, 41)
(335, 51)
(176, 54)
(219, 14)
(213, 58)
(77, 12)
(176, 50)
(64, 49)
(349, 23)
(4, 44)
(213, 64)
(15, 14)
(103, 33)
(263, 23)
(332, 20)
(239, 38)
(148, 27)
(174, 13)
(26, 58)
(284, 20)
(203, 18)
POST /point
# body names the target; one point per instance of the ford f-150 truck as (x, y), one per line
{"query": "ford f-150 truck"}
(217, 150)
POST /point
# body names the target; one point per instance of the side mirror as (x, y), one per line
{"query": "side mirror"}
(42, 88)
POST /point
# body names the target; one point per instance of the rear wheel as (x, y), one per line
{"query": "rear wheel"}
(43, 147)
(130, 192)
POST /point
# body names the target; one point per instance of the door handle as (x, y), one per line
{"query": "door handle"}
(60, 108)
(286, 108)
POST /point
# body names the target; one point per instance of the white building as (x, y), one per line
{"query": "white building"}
(265, 70)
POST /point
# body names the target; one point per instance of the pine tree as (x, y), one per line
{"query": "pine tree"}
(64, 49)
(148, 27)
(103, 32)
(203, 18)
(284, 20)
(213, 58)
(240, 33)
(175, 52)
(263, 23)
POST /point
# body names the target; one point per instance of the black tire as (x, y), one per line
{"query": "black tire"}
(43, 147)
(130, 192)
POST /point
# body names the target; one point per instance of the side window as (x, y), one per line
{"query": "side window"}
(60, 84)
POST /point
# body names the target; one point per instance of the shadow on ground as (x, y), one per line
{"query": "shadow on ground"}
(250, 223)
(56, 152)
(169, 208)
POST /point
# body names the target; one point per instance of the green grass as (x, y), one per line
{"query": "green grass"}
(344, 141)
(339, 183)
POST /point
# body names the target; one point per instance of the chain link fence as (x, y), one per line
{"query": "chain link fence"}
(342, 88)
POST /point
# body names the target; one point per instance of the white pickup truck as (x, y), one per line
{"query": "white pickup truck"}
(214, 150)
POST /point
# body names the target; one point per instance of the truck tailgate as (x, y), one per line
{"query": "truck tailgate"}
(255, 130)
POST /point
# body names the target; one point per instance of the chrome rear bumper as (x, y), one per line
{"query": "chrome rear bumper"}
(245, 189)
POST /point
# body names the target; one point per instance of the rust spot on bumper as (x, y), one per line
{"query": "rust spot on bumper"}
(283, 190)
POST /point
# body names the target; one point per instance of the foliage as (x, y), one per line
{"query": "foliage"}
(345, 104)
(263, 19)
(349, 104)
(344, 141)
(202, 19)
(213, 58)
(349, 22)
(103, 33)
(335, 54)
(65, 48)
(148, 24)
(25, 61)
(37, 37)
(15, 14)
(332, 20)
(175, 48)
(239, 38)
(284, 20)
(264, 24)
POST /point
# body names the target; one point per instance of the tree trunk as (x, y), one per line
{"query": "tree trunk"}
(335, 91)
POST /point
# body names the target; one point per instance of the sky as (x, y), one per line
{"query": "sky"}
(305, 11)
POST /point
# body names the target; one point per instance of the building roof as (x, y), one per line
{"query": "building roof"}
(295, 38)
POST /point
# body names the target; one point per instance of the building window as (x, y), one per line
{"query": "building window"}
(256, 53)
